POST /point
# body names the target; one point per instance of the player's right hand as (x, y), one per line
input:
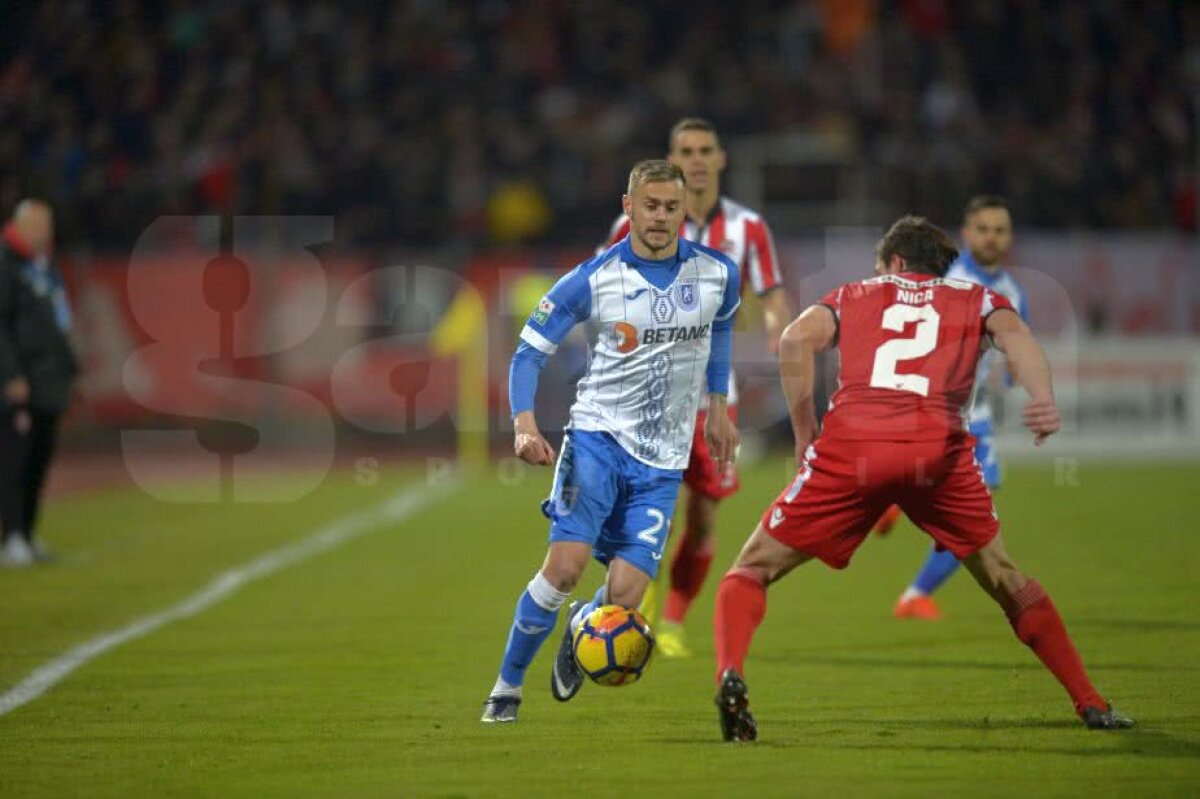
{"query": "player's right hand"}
(1042, 419)
(533, 449)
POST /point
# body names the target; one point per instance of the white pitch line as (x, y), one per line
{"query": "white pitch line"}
(329, 537)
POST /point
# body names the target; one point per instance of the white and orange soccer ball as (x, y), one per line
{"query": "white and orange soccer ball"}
(613, 645)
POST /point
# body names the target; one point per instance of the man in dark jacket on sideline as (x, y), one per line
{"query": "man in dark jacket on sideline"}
(37, 369)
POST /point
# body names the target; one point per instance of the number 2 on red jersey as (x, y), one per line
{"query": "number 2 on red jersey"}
(890, 353)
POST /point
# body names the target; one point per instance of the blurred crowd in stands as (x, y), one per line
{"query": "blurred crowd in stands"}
(427, 121)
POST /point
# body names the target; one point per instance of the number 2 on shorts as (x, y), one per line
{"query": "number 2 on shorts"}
(649, 535)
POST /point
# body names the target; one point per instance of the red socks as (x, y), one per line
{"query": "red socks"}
(1036, 622)
(688, 570)
(741, 605)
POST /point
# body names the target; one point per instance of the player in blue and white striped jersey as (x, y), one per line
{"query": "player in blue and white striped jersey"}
(664, 310)
(987, 234)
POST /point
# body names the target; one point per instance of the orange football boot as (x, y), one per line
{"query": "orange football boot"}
(918, 607)
(885, 522)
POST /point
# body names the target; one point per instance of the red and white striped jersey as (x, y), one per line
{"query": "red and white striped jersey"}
(735, 230)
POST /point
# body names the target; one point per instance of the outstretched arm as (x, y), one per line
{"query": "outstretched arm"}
(567, 304)
(1030, 369)
(719, 431)
(528, 442)
(810, 333)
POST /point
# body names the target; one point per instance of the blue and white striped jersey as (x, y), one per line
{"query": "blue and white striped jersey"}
(650, 362)
(1001, 282)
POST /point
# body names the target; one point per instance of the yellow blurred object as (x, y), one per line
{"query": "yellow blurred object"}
(461, 325)
(672, 641)
(462, 333)
(524, 296)
(517, 211)
(649, 606)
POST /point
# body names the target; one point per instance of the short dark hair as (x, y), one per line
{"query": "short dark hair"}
(924, 246)
(654, 170)
(981, 201)
(692, 123)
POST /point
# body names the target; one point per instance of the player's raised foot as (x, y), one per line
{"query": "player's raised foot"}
(671, 640)
(733, 708)
(917, 607)
(566, 678)
(1106, 718)
(499, 709)
(885, 523)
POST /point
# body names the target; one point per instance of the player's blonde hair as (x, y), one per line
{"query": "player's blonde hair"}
(654, 170)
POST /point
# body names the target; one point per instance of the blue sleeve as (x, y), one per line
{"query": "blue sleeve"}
(527, 364)
(567, 304)
(721, 355)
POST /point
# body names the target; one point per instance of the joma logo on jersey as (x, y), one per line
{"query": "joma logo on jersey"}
(668, 335)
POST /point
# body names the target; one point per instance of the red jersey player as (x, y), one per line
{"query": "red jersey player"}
(718, 222)
(895, 433)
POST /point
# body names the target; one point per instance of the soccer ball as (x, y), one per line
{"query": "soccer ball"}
(613, 645)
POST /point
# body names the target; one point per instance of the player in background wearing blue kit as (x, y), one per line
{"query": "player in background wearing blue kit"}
(987, 234)
(664, 309)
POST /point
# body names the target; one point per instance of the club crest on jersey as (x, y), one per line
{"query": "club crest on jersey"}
(544, 309)
(662, 307)
(686, 295)
(626, 336)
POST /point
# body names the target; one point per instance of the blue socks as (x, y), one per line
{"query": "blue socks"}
(536, 612)
(599, 599)
(935, 571)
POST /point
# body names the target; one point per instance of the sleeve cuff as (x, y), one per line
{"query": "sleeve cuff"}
(537, 340)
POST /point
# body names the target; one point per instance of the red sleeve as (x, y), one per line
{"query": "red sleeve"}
(991, 303)
(618, 231)
(833, 301)
(761, 261)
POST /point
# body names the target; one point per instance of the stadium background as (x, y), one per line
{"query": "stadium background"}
(300, 239)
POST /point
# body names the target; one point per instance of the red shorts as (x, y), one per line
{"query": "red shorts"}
(843, 486)
(702, 475)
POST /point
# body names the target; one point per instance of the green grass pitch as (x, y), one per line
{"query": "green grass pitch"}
(361, 671)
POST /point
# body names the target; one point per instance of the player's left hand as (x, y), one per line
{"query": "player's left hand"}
(1042, 419)
(722, 437)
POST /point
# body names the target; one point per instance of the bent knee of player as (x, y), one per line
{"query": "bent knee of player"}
(763, 558)
(995, 570)
(629, 594)
(563, 580)
(564, 565)
(626, 583)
